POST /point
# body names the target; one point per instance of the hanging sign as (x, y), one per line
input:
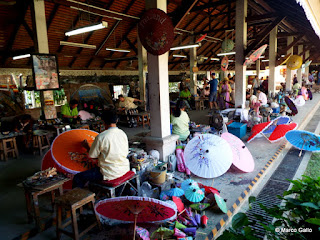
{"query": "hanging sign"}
(156, 31)
(224, 63)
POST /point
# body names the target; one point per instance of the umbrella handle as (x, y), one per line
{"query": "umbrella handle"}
(304, 142)
(135, 224)
(265, 136)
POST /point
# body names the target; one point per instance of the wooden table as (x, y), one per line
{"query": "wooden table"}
(32, 194)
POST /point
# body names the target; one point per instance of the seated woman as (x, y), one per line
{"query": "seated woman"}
(304, 92)
(180, 121)
(296, 88)
(186, 96)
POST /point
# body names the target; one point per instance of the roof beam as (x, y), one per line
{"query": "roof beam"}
(52, 15)
(261, 18)
(131, 45)
(211, 5)
(263, 34)
(284, 35)
(182, 11)
(295, 41)
(30, 32)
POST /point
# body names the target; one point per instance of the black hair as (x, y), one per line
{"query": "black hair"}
(207, 88)
(109, 117)
(25, 117)
(177, 111)
(73, 102)
(120, 96)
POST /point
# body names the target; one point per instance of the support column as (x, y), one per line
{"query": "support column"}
(143, 69)
(307, 55)
(241, 43)
(208, 75)
(193, 75)
(158, 94)
(299, 72)
(289, 72)
(272, 61)
(258, 68)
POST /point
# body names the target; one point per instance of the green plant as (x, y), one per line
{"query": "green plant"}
(297, 218)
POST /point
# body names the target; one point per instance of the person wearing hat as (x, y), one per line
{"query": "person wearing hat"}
(111, 147)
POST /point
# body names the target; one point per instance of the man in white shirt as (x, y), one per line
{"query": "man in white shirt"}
(111, 147)
(262, 97)
(127, 102)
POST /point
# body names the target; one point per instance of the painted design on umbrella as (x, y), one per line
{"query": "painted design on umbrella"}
(258, 128)
(304, 140)
(208, 156)
(299, 101)
(275, 122)
(221, 203)
(294, 62)
(188, 183)
(177, 192)
(291, 106)
(48, 162)
(179, 203)
(242, 158)
(255, 55)
(143, 233)
(178, 233)
(69, 144)
(281, 130)
(199, 206)
(194, 194)
(162, 233)
(224, 63)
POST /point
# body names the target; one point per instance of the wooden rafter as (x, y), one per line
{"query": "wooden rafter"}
(52, 15)
(182, 11)
(28, 29)
(211, 4)
(295, 41)
(132, 46)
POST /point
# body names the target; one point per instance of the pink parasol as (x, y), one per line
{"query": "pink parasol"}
(47, 162)
(258, 128)
(281, 130)
(224, 63)
(242, 158)
(136, 209)
(255, 55)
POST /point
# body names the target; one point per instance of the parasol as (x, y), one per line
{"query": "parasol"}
(177, 192)
(294, 62)
(47, 162)
(227, 45)
(84, 115)
(255, 55)
(299, 101)
(136, 209)
(210, 189)
(179, 203)
(208, 156)
(304, 140)
(281, 130)
(143, 233)
(179, 225)
(194, 194)
(201, 38)
(178, 233)
(162, 233)
(224, 63)
(199, 206)
(164, 196)
(221, 203)
(306, 64)
(242, 158)
(68, 153)
(275, 122)
(258, 128)
(285, 59)
(291, 106)
(189, 183)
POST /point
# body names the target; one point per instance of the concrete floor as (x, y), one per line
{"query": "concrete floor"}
(13, 218)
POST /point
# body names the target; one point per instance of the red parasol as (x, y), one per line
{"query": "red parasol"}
(136, 209)
(224, 63)
(281, 130)
(201, 38)
(68, 153)
(48, 162)
(258, 128)
(209, 189)
(255, 55)
(178, 203)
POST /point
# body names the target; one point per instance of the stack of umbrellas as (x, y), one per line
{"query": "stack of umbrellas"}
(277, 129)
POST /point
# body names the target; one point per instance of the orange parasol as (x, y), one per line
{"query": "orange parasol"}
(68, 153)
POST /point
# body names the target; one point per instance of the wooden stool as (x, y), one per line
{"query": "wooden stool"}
(142, 118)
(8, 146)
(110, 186)
(32, 200)
(40, 141)
(73, 200)
(199, 104)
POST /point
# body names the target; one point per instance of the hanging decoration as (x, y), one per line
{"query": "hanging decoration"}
(224, 63)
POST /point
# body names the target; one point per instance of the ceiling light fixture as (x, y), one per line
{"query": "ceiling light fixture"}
(230, 60)
(73, 44)
(180, 56)
(184, 47)
(21, 56)
(118, 50)
(90, 28)
(265, 60)
(215, 59)
(226, 53)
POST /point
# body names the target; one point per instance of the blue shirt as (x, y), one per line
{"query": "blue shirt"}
(213, 85)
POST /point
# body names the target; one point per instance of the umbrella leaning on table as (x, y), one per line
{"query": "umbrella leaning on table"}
(304, 140)
(208, 156)
(136, 209)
